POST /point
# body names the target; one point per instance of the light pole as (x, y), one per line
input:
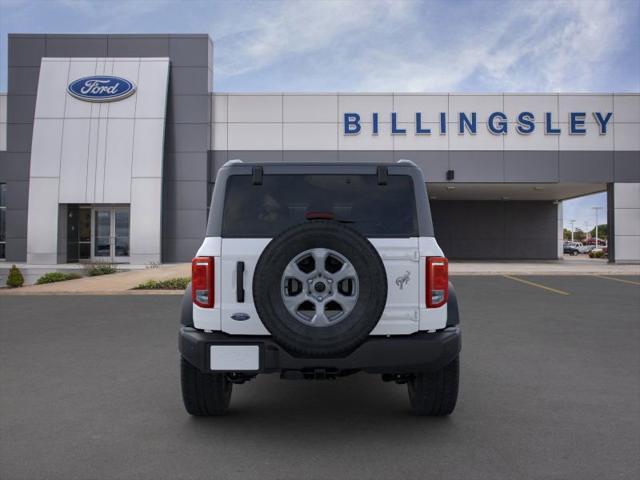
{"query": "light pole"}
(586, 230)
(572, 222)
(596, 210)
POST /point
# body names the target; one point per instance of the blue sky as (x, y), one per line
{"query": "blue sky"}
(370, 45)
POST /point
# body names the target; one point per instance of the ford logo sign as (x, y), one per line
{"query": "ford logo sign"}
(101, 88)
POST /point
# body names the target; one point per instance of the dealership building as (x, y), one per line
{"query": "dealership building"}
(110, 144)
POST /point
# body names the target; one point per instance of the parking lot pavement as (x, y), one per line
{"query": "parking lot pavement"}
(89, 389)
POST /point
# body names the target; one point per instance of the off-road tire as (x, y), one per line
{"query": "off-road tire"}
(333, 340)
(435, 394)
(204, 394)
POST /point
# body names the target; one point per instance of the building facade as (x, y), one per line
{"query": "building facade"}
(110, 144)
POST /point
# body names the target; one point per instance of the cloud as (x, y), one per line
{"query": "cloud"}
(417, 46)
(376, 45)
(291, 30)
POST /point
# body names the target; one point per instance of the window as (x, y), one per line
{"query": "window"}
(3, 221)
(282, 201)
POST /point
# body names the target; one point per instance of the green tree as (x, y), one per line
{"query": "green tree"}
(603, 231)
(579, 235)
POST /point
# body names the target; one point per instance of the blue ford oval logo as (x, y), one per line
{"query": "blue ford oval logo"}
(240, 317)
(101, 88)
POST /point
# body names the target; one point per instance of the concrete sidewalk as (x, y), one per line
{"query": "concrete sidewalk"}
(115, 283)
(581, 265)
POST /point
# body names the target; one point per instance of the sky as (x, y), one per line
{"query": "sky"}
(377, 45)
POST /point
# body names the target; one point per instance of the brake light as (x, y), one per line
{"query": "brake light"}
(202, 289)
(437, 292)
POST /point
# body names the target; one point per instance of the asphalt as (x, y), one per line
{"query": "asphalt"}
(550, 389)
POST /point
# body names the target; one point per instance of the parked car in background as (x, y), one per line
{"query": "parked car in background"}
(585, 248)
(571, 248)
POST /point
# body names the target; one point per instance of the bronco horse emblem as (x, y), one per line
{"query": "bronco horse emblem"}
(402, 280)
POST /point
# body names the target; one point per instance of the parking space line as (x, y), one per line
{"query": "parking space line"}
(631, 282)
(534, 284)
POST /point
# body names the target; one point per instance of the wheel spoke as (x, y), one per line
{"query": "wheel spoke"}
(320, 318)
(319, 257)
(346, 302)
(292, 303)
(346, 271)
(293, 271)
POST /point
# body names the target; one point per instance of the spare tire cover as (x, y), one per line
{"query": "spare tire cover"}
(320, 288)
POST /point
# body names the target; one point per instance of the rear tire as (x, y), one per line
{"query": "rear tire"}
(435, 394)
(204, 394)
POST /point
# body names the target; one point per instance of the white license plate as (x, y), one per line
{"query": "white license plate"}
(235, 357)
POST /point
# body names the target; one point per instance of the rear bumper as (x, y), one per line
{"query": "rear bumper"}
(419, 352)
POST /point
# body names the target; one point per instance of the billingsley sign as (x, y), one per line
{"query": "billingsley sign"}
(497, 123)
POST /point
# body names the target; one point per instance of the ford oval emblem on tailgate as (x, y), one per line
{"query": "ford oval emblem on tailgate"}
(241, 317)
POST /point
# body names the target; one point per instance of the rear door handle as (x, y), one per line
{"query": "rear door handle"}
(240, 282)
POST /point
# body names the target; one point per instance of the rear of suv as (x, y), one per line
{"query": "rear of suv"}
(317, 271)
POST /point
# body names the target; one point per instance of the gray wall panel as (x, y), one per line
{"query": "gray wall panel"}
(378, 156)
(477, 166)
(16, 222)
(185, 166)
(17, 247)
(138, 46)
(188, 80)
(256, 155)
(188, 109)
(215, 161)
(310, 156)
(22, 108)
(626, 166)
(19, 137)
(187, 137)
(14, 166)
(586, 166)
(529, 166)
(434, 164)
(76, 46)
(17, 194)
(185, 223)
(181, 249)
(23, 80)
(496, 230)
(26, 50)
(185, 195)
(189, 51)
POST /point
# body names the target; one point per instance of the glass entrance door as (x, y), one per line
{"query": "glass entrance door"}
(111, 234)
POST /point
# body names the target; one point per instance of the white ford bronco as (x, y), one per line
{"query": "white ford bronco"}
(318, 271)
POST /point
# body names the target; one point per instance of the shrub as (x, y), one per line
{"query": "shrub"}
(596, 254)
(52, 277)
(15, 278)
(179, 283)
(95, 269)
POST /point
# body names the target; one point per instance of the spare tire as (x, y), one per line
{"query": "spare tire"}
(320, 288)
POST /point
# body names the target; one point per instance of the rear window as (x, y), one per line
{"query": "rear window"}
(282, 201)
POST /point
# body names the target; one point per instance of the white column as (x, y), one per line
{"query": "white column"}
(626, 222)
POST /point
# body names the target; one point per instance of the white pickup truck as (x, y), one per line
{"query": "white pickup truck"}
(318, 271)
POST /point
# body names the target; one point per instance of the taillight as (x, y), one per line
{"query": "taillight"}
(437, 281)
(202, 290)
